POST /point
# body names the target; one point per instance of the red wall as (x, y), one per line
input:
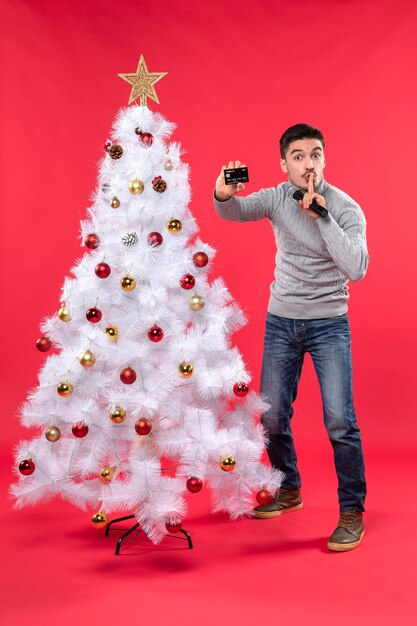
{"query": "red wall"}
(238, 74)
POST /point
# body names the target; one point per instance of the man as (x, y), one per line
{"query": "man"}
(307, 312)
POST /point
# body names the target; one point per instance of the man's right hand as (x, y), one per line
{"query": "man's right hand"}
(223, 191)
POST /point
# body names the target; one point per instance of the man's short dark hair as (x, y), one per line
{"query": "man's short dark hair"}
(298, 131)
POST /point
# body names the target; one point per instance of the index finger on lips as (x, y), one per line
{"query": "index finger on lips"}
(310, 183)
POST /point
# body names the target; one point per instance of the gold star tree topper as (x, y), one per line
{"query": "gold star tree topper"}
(143, 83)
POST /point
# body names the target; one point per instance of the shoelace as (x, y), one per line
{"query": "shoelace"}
(346, 518)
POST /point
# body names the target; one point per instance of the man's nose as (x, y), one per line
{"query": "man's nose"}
(309, 164)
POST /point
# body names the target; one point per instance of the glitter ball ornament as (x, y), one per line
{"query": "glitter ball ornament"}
(196, 302)
(26, 467)
(128, 283)
(187, 281)
(102, 270)
(128, 376)
(79, 430)
(143, 426)
(263, 497)
(94, 315)
(99, 520)
(200, 259)
(92, 241)
(155, 334)
(64, 314)
(173, 525)
(115, 203)
(174, 226)
(155, 239)
(146, 139)
(159, 184)
(43, 344)
(240, 389)
(130, 239)
(194, 485)
(227, 463)
(138, 130)
(52, 434)
(107, 474)
(169, 165)
(112, 333)
(65, 389)
(136, 186)
(115, 151)
(87, 359)
(117, 415)
(185, 369)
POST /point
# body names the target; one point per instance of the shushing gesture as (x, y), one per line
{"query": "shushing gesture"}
(223, 191)
(308, 198)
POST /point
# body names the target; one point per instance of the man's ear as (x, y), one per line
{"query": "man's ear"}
(283, 164)
(324, 162)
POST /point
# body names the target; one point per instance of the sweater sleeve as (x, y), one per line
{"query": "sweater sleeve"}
(346, 242)
(253, 207)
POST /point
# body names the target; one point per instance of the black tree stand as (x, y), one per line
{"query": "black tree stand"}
(135, 526)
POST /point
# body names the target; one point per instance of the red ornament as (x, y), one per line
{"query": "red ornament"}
(146, 139)
(92, 241)
(107, 145)
(93, 315)
(155, 334)
(128, 376)
(240, 389)
(173, 526)
(200, 259)
(79, 430)
(43, 344)
(143, 426)
(26, 467)
(263, 497)
(102, 270)
(187, 281)
(194, 485)
(155, 239)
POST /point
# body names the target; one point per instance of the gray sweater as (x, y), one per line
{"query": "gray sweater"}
(315, 258)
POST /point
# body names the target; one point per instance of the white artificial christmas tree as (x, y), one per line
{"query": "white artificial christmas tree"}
(145, 397)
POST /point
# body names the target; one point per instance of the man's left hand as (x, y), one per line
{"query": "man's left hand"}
(308, 198)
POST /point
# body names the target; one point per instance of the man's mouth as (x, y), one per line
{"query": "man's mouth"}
(307, 176)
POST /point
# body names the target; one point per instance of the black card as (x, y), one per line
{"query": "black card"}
(236, 175)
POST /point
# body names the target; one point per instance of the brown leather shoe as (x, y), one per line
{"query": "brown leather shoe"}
(348, 533)
(284, 501)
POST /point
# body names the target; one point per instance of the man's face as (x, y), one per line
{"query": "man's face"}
(304, 157)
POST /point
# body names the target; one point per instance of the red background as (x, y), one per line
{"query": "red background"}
(239, 73)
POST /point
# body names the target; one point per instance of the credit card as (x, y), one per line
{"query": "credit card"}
(236, 175)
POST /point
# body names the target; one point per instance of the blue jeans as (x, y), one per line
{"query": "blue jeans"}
(328, 342)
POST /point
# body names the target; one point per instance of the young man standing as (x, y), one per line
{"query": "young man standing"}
(307, 312)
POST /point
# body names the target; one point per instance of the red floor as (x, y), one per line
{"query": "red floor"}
(59, 570)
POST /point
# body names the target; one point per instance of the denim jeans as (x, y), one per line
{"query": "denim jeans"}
(328, 342)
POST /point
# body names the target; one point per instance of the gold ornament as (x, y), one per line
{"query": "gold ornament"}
(196, 302)
(99, 520)
(143, 83)
(64, 314)
(185, 369)
(87, 359)
(227, 463)
(128, 283)
(117, 415)
(65, 389)
(112, 333)
(136, 186)
(115, 203)
(174, 226)
(169, 165)
(52, 433)
(107, 474)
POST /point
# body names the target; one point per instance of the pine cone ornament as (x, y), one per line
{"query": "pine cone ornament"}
(159, 184)
(115, 151)
(131, 239)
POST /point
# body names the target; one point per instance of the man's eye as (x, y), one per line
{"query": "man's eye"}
(297, 157)
(316, 155)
